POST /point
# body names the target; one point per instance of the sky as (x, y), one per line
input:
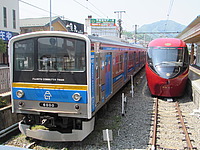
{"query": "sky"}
(137, 12)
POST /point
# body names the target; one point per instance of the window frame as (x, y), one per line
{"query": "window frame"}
(5, 24)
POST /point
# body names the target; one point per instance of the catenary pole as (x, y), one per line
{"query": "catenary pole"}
(120, 21)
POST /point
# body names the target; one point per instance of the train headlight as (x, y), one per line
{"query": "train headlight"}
(20, 93)
(168, 74)
(76, 96)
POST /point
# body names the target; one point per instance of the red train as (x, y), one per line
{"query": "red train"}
(167, 67)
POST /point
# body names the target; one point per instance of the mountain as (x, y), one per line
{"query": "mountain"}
(158, 27)
(162, 26)
(152, 31)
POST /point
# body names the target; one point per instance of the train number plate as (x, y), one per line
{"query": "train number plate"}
(52, 105)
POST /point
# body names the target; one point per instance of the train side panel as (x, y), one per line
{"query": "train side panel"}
(114, 70)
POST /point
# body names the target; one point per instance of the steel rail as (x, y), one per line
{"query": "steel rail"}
(187, 137)
(8, 130)
(155, 126)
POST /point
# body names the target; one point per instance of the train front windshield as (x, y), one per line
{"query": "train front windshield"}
(50, 59)
(168, 62)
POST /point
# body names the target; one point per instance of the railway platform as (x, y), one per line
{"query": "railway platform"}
(191, 35)
(194, 86)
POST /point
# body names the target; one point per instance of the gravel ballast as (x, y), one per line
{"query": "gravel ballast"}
(131, 131)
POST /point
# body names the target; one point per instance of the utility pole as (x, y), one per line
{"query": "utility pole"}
(50, 25)
(135, 34)
(120, 21)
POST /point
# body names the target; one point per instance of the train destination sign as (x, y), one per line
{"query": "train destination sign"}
(47, 79)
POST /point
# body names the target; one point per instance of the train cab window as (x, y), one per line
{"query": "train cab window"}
(186, 57)
(61, 54)
(167, 61)
(24, 55)
(165, 56)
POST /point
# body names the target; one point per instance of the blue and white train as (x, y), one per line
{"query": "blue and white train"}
(60, 80)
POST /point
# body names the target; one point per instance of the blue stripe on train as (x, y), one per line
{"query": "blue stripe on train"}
(122, 74)
(50, 95)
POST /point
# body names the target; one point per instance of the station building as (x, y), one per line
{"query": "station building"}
(9, 24)
(191, 34)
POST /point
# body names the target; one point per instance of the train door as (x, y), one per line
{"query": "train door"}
(135, 63)
(139, 59)
(97, 78)
(125, 65)
(108, 67)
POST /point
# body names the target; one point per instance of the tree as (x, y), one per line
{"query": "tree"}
(128, 34)
(2, 46)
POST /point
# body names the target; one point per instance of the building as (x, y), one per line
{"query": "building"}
(74, 26)
(43, 24)
(101, 27)
(9, 24)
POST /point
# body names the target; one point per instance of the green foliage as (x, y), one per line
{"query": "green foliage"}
(39, 127)
(128, 34)
(2, 46)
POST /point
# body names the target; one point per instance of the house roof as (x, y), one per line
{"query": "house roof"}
(37, 22)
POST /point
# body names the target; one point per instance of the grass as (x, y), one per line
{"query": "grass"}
(39, 127)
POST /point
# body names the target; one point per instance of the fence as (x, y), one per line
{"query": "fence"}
(4, 80)
(7, 118)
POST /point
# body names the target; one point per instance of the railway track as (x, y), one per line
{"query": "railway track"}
(169, 128)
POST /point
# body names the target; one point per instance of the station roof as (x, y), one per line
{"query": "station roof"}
(191, 34)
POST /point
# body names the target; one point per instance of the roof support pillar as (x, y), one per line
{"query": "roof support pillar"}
(192, 54)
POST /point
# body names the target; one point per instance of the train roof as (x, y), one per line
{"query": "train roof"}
(167, 42)
(76, 35)
(110, 40)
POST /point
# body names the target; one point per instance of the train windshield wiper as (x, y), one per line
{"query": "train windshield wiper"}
(169, 63)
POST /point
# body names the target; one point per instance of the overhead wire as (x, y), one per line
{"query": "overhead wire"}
(37, 7)
(129, 20)
(27, 3)
(97, 8)
(168, 13)
(58, 14)
(86, 8)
